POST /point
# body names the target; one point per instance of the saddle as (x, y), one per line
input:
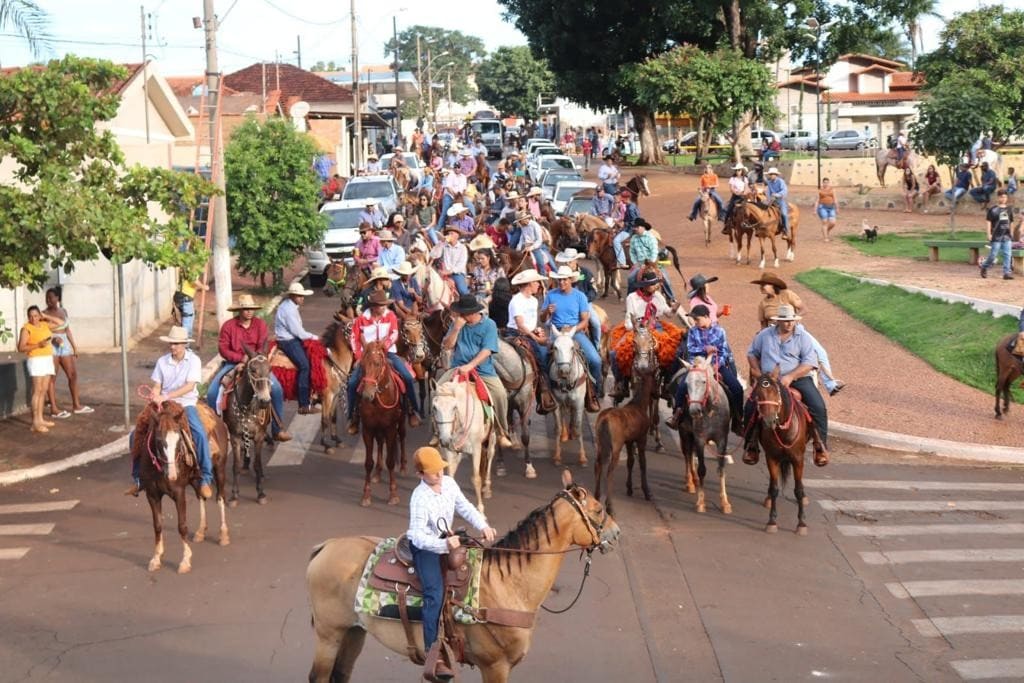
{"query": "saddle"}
(525, 351)
(227, 385)
(478, 385)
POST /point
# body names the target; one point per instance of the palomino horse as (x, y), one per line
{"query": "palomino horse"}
(517, 376)
(518, 572)
(884, 158)
(337, 367)
(624, 426)
(1008, 368)
(464, 427)
(168, 465)
(247, 417)
(568, 375)
(765, 224)
(706, 421)
(382, 419)
(708, 215)
(783, 432)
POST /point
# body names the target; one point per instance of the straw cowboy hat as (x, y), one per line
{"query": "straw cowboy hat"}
(563, 273)
(428, 460)
(481, 242)
(739, 167)
(177, 335)
(386, 236)
(378, 298)
(523, 216)
(512, 194)
(534, 191)
(467, 304)
(456, 208)
(697, 282)
(372, 156)
(786, 312)
(465, 151)
(296, 289)
(568, 256)
(405, 268)
(245, 303)
(528, 275)
(773, 171)
(770, 278)
(378, 273)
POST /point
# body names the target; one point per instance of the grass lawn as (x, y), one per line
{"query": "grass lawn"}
(954, 339)
(910, 245)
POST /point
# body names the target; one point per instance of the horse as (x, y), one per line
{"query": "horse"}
(412, 346)
(638, 186)
(518, 377)
(784, 429)
(334, 276)
(884, 158)
(765, 224)
(518, 571)
(986, 156)
(512, 261)
(646, 362)
(464, 427)
(602, 252)
(483, 171)
(438, 292)
(706, 421)
(1008, 368)
(337, 367)
(168, 465)
(568, 375)
(247, 417)
(381, 418)
(624, 426)
(737, 230)
(708, 215)
(355, 280)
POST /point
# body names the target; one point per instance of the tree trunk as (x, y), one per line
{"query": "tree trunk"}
(735, 24)
(699, 152)
(742, 135)
(650, 150)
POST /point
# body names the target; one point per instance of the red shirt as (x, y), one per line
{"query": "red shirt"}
(367, 329)
(234, 339)
(499, 238)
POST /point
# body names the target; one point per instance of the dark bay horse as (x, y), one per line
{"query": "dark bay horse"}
(412, 346)
(1008, 368)
(168, 467)
(624, 426)
(737, 231)
(247, 417)
(382, 420)
(602, 252)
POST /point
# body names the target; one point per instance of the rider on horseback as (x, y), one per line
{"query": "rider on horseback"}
(564, 307)
(379, 324)
(643, 252)
(629, 221)
(522, 324)
(739, 185)
(708, 184)
(645, 306)
(291, 334)
(405, 291)
(367, 247)
(454, 257)
(531, 239)
(777, 191)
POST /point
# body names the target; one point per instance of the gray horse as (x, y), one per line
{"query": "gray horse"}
(706, 421)
(517, 376)
(568, 375)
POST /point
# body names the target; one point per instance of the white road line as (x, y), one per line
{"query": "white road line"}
(954, 626)
(25, 529)
(932, 589)
(980, 669)
(884, 530)
(966, 555)
(920, 505)
(12, 553)
(898, 485)
(304, 430)
(25, 508)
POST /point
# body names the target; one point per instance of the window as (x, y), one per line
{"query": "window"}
(343, 218)
(381, 188)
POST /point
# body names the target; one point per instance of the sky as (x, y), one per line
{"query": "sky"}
(265, 30)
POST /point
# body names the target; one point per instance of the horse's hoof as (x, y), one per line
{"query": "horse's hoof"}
(690, 488)
(499, 470)
(329, 450)
(775, 263)
(701, 507)
(184, 568)
(261, 499)
(487, 494)
(998, 416)
(154, 565)
(403, 469)
(801, 530)
(583, 461)
(530, 472)
(365, 502)
(393, 500)
(726, 509)
(771, 529)
(660, 448)
(198, 537)
(223, 541)
(233, 503)
(375, 479)
(629, 492)
(648, 496)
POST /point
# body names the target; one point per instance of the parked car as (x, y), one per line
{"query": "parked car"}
(581, 202)
(553, 176)
(847, 138)
(548, 163)
(381, 189)
(411, 160)
(799, 139)
(339, 238)
(565, 190)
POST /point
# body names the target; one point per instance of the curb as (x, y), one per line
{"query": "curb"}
(980, 305)
(119, 446)
(924, 445)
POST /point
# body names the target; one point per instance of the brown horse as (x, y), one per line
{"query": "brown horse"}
(337, 366)
(518, 573)
(1008, 368)
(382, 419)
(412, 346)
(247, 417)
(512, 261)
(168, 465)
(765, 222)
(602, 252)
(355, 280)
(783, 429)
(638, 186)
(624, 426)
(737, 231)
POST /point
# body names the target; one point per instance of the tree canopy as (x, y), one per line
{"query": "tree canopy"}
(272, 194)
(443, 46)
(511, 79)
(74, 195)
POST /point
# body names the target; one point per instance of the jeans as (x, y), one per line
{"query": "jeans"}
(188, 315)
(446, 202)
(276, 395)
(784, 211)
(514, 234)
(542, 258)
(1000, 247)
(620, 253)
(611, 188)
(954, 194)
(428, 567)
(983, 193)
(460, 283)
(195, 425)
(591, 354)
(826, 211)
(733, 389)
(403, 371)
(296, 353)
(718, 202)
(595, 326)
(811, 398)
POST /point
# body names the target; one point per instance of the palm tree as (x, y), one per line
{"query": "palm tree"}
(30, 20)
(910, 15)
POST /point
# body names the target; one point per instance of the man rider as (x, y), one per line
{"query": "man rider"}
(629, 220)
(290, 337)
(777, 193)
(454, 258)
(567, 307)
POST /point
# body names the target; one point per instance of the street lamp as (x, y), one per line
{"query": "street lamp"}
(449, 78)
(818, 32)
(430, 82)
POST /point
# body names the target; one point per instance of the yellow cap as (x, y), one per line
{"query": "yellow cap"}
(428, 460)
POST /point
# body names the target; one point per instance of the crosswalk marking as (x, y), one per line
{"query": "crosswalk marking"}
(955, 626)
(899, 485)
(304, 430)
(966, 555)
(12, 553)
(25, 529)
(25, 508)
(888, 530)
(979, 669)
(931, 589)
(920, 505)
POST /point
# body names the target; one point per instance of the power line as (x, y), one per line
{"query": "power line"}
(306, 21)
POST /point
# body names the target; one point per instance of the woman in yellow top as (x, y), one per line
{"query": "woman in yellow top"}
(35, 341)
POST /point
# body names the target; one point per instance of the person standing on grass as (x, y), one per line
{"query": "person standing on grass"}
(1000, 236)
(825, 207)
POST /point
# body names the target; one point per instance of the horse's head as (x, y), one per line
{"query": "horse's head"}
(642, 186)
(447, 424)
(644, 348)
(165, 437)
(375, 370)
(563, 351)
(699, 380)
(257, 374)
(591, 526)
(412, 335)
(767, 395)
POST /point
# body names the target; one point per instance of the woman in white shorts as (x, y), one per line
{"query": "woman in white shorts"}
(35, 340)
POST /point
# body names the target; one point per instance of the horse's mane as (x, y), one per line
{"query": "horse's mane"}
(525, 536)
(331, 333)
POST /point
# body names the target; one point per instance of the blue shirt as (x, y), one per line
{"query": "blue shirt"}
(288, 322)
(373, 218)
(989, 178)
(401, 291)
(391, 258)
(602, 205)
(472, 340)
(632, 213)
(963, 179)
(568, 307)
(772, 352)
(777, 188)
(697, 339)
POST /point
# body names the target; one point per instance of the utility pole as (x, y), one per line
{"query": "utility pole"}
(419, 78)
(221, 249)
(298, 50)
(357, 123)
(398, 101)
(145, 70)
(430, 94)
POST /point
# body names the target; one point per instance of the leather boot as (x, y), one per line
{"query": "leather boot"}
(821, 457)
(133, 491)
(592, 404)
(673, 422)
(751, 453)
(545, 399)
(415, 420)
(353, 424)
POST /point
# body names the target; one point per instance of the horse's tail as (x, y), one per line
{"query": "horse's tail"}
(784, 466)
(675, 259)
(604, 440)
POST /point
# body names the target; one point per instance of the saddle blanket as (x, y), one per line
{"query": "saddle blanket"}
(288, 377)
(383, 604)
(668, 338)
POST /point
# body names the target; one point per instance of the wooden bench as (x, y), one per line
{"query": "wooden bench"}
(974, 248)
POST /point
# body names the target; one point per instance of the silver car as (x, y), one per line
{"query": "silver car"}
(845, 139)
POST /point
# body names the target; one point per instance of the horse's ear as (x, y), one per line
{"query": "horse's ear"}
(566, 478)
(249, 353)
(686, 365)
(775, 373)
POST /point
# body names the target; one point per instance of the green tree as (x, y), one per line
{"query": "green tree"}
(73, 195)
(443, 46)
(271, 195)
(511, 79)
(327, 66)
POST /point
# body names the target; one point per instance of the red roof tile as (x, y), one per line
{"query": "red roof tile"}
(902, 96)
(294, 82)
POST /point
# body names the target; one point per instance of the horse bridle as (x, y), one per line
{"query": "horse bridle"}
(649, 354)
(385, 368)
(708, 379)
(783, 404)
(420, 347)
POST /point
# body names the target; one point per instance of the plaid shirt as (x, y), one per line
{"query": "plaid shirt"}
(698, 339)
(426, 507)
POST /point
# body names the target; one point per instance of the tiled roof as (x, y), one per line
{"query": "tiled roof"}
(294, 82)
(906, 80)
(858, 56)
(902, 96)
(808, 82)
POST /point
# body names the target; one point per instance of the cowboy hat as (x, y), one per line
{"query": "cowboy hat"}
(512, 194)
(366, 227)
(568, 256)
(786, 312)
(371, 156)
(528, 275)
(697, 282)
(481, 242)
(296, 289)
(648, 280)
(523, 216)
(456, 208)
(177, 335)
(245, 303)
(465, 152)
(467, 304)
(534, 191)
(378, 273)
(451, 227)
(428, 460)
(405, 268)
(386, 236)
(770, 278)
(563, 273)
(739, 167)
(378, 298)
(773, 171)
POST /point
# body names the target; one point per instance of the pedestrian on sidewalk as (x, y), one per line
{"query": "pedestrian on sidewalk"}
(1000, 236)
(825, 207)
(184, 300)
(34, 340)
(65, 355)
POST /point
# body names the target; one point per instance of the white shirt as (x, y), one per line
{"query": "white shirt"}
(525, 306)
(173, 375)
(608, 173)
(738, 185)
(636, 306)
(426, 507)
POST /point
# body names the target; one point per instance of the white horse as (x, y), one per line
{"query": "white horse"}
(706, 421)
(463, 427)
(437, 292)
(568, 374)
